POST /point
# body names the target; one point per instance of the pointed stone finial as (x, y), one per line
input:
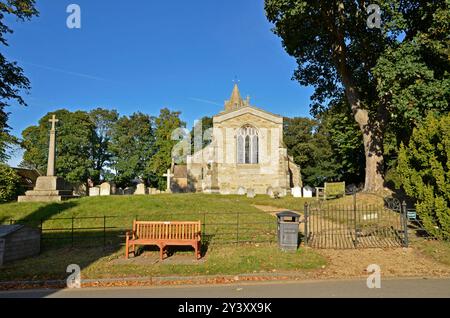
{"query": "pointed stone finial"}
(235, 100)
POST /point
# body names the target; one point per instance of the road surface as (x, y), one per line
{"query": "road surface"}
(322, 289)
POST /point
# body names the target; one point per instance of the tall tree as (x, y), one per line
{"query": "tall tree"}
(337, 52)
(104, 121)
(131, 146)
(424, 165)
(166, 123)
(75, 134)
(12, 79)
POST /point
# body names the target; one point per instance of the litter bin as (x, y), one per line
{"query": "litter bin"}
(288, 224)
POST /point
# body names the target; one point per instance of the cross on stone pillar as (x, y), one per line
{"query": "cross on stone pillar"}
(52, 148)
(168, 175)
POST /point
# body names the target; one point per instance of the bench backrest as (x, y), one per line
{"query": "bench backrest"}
(167, 230)
(334, 188)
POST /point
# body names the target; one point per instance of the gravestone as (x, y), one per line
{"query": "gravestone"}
(94, 192)
(251, 193)
(269, 191)
(307, 192)
(296, 192)
(141, 189)
(119, 191)
(128, 191)
(241, 191)
(152, 191)
(113, 188)
(105, 189)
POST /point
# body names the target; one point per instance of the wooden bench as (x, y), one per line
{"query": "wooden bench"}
(164, 234)
(331, 190)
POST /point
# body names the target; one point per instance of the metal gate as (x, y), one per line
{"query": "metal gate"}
(356, 225)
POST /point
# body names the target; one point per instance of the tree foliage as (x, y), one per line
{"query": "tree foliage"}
(131, 146)
(165, 124)
(75, 135)
(386, 74)
(424, 166)
(12, 79)
(9, 183)
(103, 121)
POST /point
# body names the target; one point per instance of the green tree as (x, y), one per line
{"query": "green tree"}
(338, 53)
(346, 142)
(166, 123)
(131, 146)
(104, 121)
(199, 131)
(9, 183)
(424, 166)
(75, 135)
(308, 143)
(12, 79)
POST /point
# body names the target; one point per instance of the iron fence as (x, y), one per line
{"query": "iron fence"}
(356, 225)
(109, 230)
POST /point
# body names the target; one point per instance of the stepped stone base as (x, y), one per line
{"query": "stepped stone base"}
(48, 189)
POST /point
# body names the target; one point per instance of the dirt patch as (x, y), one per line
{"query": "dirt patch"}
(394, 262)
(273, 210)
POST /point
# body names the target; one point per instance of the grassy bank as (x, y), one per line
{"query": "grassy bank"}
(227, 218)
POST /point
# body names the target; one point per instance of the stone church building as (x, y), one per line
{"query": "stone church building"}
(246, 152)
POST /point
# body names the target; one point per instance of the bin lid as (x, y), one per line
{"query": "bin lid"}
(288, 214)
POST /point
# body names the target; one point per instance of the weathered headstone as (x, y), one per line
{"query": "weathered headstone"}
(141, 189)
(128, 191)
(241, 191)
(94, 191)
(269, 191)
(296, 192)
(307, 192)
(251, 193)
(119, 191)
(113, 188)
(152, 191)
(105, 189)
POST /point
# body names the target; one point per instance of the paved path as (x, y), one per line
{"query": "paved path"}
(351, 288)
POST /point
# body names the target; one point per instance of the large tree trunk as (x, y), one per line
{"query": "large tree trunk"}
(373, 149)
(372, 128)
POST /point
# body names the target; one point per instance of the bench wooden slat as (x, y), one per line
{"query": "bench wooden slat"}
(164, 234)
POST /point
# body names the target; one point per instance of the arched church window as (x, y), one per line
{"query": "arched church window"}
(247, 145)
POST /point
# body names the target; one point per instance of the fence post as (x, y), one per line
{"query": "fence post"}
(204, 223)
(73, 219)
(306, 215)
(405, 225)
(104, 231)
(42, 231)
(237, 228)
(354, 217)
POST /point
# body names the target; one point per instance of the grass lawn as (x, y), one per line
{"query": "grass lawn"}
(438, 250)
(97, 263)
(221, 214)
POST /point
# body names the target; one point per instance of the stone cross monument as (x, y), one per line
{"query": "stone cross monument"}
(52, 148)
(168, 175)
(49, 188)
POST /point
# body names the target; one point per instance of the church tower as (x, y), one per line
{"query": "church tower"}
(235, 102)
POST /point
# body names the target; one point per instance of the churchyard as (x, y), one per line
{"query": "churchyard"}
(230, 246)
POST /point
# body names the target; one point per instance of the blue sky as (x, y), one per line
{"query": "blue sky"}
(143, 55)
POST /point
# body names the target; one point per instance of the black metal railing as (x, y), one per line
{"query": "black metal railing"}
(109, 230)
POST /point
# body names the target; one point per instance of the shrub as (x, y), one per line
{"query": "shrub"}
(9, 183)
(425, 170)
